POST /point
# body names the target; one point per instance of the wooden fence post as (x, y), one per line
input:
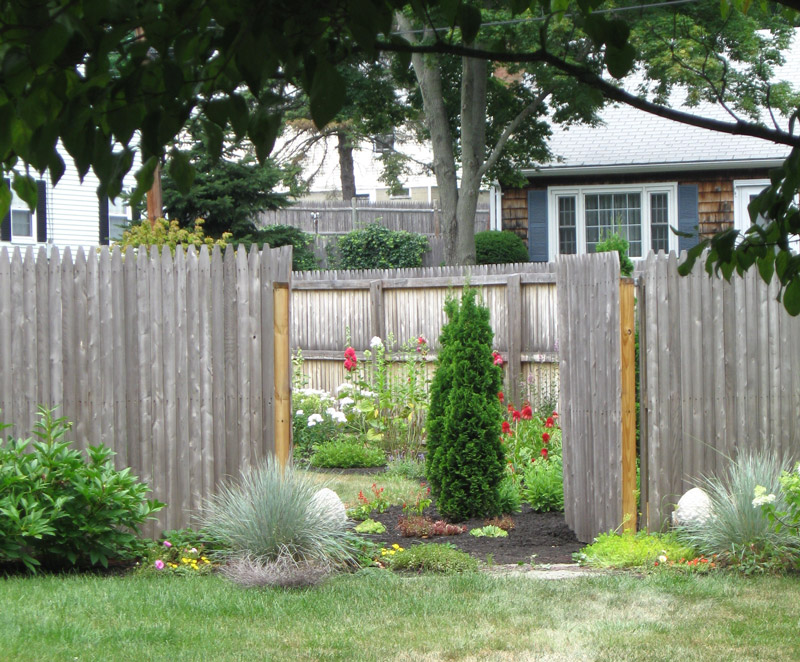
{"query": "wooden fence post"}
(282, 356)
(628, 364)
(514, 328)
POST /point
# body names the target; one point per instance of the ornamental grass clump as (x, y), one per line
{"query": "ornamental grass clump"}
(465, 460)
(740, 533)
(271, 516)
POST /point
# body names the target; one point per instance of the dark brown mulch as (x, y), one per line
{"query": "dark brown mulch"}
(543, 536)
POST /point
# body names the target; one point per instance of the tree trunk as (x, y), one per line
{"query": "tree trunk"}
(346, 169)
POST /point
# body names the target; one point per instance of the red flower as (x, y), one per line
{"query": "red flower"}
(500, 396)
(555, 414)
(506, 427)
(421, 341)
(515, 415)
(510, 408)
(350, 359)
(527, 413)
(498, 360)
(545, 437)
(349, 365)
(544, 453)
(549, 422)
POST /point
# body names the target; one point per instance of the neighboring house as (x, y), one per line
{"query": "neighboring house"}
(68, 214)
(640, 174)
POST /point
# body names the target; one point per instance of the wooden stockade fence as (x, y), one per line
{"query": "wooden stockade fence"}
(720, 373)
(407, 303)
(596, 348)
(179, 364)
(327, 221)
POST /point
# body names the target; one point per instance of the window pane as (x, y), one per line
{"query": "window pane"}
(614, 212)
(117, 226)
(659, 222)
(567, 234)
(21, 225)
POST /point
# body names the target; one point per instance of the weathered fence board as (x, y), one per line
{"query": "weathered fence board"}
(720, 375)
(591, 391)
(160, 358)
(330, 307)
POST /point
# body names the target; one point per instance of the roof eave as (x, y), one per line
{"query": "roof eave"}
(649, 168)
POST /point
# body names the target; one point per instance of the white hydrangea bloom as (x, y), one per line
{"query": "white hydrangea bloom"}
(761, 497)
(339, 417)
(375, 342)
(314, 419)
(347, 386)
(299, 412)
(346, 402)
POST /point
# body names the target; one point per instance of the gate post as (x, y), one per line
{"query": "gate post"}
(283, 372)
(628, 366)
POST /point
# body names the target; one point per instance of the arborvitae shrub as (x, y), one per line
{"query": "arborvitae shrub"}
(465, 457)
(378, 247)
(495, 247)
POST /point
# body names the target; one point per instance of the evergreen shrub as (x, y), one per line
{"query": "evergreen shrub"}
(465, 463)
(377, 247)
(493, 247)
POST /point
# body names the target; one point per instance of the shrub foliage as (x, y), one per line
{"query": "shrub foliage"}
(60, 510)
(493, 247)
(377, 247)
(465, 464)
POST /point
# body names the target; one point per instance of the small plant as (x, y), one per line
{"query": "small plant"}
(442, 528)
(316, 419)
(543, 484)
(415, 526)
(489, 531)
(406, 466)
(633, 550)
(433, 557)
(493, 247)
(388, 552)
(272, 513)
(366, 505)
(370, 526)
(60, 508)
(421, 502)
(614, 241)
(510, 499)
(505, 522)
(346, 453)
(178, 552)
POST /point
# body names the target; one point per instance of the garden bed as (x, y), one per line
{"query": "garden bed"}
(545, 537)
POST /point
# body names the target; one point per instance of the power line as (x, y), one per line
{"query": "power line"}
(539, 19)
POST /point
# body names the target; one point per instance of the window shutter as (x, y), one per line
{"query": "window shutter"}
(5, 224)
(41, 211)
(688, 218)
(103, 216)
(538, 248)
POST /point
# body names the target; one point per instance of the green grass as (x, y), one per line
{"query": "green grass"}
(396, 488)
(376, 615)
(628, 550)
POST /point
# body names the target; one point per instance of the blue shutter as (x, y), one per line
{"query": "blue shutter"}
(41, 211)
(538, 248)
(103, 218)
(688, 218)
(5, 223)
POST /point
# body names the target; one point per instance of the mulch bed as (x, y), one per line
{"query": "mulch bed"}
(536, 537)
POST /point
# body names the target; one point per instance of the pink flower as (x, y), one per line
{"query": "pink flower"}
(510, 408)
(498, 360)
(159, 564)
(167, 544)
(555, 414)
(350, 359)
(422, 341)
(527, 413)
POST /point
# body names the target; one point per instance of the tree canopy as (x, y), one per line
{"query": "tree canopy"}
(107, 78)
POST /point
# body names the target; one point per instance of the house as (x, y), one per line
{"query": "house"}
(68, 214)
(640, 174)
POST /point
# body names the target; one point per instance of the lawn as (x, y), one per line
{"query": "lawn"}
(377, 615)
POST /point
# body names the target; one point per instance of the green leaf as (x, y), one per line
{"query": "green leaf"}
(791, 296)
(766, 266)
(469, 19)
(620, 60)
(263, 130)
(25, 186)
(5, 198)
(327, 94)
(181, 170)
(239, 115)
(558, 6)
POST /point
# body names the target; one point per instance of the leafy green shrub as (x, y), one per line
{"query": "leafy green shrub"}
(315, 420)
(616, 242)
(509, 497)
(377, 247)
(405, 466)
(465, 464)
(493, 247)
(739, 532)
(629, 550)
(59, 509)
(543, 484)
(433, 557)
(346, 453)
(303, 258)
(790, 489)
(272, 513)
(168, 233)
